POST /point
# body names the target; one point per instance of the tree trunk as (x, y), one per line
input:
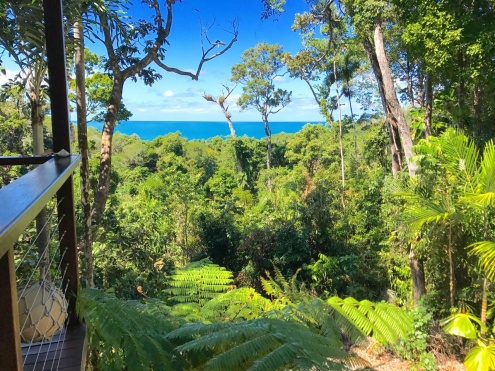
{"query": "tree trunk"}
(484, 304)
(228, 118)
(451, 269)
(395, 148)
(342, 168)
(353, 123)
(429, 104)
(410, 90)
(103, 188)
(395, 145)
(461, 92)
(82, 136)
(418, 277)
(42, 230)
(397, 114)
(269, 142)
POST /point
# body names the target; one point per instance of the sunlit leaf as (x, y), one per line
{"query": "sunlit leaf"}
(461, 324)
(480, 358)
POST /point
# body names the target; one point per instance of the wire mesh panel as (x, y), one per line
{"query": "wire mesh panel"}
(42, 287)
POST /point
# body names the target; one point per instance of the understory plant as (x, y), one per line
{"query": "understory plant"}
(414, 346)
(239, 329)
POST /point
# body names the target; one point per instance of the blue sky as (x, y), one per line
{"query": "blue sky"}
(178, 98)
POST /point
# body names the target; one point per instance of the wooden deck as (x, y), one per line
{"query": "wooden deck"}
(65, 351)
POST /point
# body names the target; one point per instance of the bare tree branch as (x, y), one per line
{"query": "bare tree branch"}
(205, 55)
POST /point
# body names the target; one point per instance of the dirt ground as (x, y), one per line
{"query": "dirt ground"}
(383, 360)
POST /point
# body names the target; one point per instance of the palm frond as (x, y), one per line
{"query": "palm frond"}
(460, 157)
(486, 253)
(487, 169)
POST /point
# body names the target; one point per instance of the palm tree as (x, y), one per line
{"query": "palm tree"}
(463, 190)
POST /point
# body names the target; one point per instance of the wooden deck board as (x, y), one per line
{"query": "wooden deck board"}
(58, 354)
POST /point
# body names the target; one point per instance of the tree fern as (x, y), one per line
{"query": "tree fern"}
(385, 322)
(285, 292)
(261, 344)
(127, 334)
(238, 304)
(199, 282)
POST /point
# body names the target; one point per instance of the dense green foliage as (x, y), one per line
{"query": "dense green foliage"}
(294, 331)
(285, 263)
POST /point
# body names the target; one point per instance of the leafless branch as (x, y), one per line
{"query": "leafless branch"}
(205, 55)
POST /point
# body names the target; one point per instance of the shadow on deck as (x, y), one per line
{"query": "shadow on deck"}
(64, 351)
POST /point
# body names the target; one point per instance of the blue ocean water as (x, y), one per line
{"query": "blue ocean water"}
(148, 130)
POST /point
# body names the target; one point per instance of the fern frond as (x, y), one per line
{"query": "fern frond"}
(374, 319)
(126, 334)
(235, 356)
(270, 287)
(199, 282)
(276, 359)
(243, 303)
(280, 279)
(261, 344)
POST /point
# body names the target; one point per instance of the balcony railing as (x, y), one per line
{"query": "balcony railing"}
(20, 203)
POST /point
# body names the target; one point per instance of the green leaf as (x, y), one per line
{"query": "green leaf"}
(486, 252)
(480, 358)
(461, 324)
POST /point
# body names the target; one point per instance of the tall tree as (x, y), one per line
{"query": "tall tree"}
(127, 59)
(258, 71)
(82, 139)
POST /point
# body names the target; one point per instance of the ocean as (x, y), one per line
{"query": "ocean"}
(149, 130)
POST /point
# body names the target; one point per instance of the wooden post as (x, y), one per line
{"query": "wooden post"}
(68, 246)
(57, 74)
(59, 103)
(10, 338)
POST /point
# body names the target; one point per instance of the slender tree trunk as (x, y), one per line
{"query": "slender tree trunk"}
(269, 142)
(461, 92)
(342, 169)
(451, 269)
(82, 136)
(103, 188)
(228, 118)
(353, 121)
(429, 104)
(479, 121)
(486, 283)
(418, 277)
(397, 114)
(410, 90)
(42, 230)
(484, 303)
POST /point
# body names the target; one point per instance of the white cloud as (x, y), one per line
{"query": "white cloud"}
(9, 74)
(168, 93)
(281, 79)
